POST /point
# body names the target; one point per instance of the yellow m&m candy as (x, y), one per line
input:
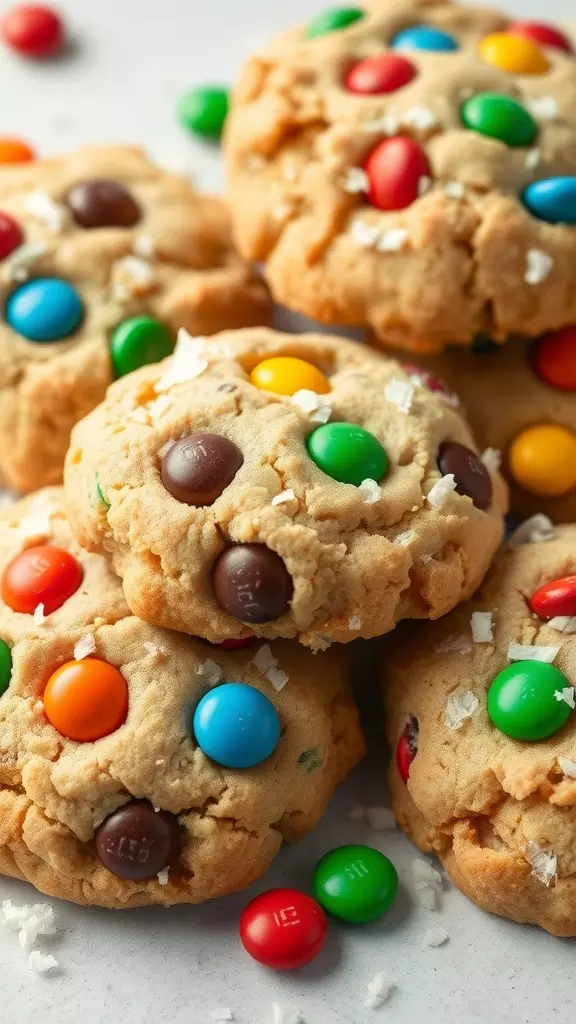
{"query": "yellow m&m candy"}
(543, 460)
(515, 54)
(285, 375)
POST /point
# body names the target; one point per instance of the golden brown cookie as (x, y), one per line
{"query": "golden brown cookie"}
(294, 486)
(125, 776)
(481, 716)
(88, 242)
(395, 164)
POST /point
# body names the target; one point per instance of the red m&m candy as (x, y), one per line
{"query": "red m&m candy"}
(557, 598)
(10, 235)
(554, 359)
(384, 73)
(283, 929)
(33, 30)
(395, 169)
(547, 35)
(40, 575)
(407, 748)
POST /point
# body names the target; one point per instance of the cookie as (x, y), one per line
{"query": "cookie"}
(410, 166)
(520, 399)
(481, 717)
(103, 256)
(125, 778)
(282, 485)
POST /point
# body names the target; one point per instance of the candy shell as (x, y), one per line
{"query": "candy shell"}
(283, 929)
(10, 235)
(44, 309)
(424, 37)
(522, 704)
(557, 598)
(285, 375)
(514, 54)
(554, 359)
(395, 169)
(347, 453)
(355, 883)
(40, 575)
(546, 35)
(542, 460)
(33, 30)
(86, 700)
(333, 20)
(384, 73)
(203, 111)
(552, 200)
(499, 117)
(236, 725)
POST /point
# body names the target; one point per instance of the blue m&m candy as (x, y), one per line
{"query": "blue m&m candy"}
(552, 200)
(424, 37)
(45, 309)
(236, 725)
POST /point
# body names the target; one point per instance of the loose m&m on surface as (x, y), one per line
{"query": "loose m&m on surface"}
(355, 883)
(283, 929)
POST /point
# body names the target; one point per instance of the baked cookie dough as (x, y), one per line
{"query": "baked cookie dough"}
(125, 778)
(282, 485)
(410, 166)
(485, 737)
(520, 399)
(103, 256)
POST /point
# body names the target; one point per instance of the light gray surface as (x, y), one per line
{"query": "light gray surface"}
(152, 966)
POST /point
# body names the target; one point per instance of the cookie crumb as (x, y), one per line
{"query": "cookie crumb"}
(538, 266)
(356, 180)
(370, 491)
(482, 627)
(459, 707)
(42, 962)
(85, 647)
(566, 695)
(535, 530)
(543, 862)
(400, 393)
(436, 936)
(287, 498)
(532, 652)
(440, 491)
(492, 459)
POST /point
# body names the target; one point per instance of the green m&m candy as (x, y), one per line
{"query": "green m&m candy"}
(499, 117)
(204, 110)
(355, 883)
(347, 453)
(333, 19)
(138, 342)
(522, 702)
(5, 666)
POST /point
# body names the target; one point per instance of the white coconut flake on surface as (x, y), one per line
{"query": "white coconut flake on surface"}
(427, 897)
(538, 266)
(424, 185)
(209, 672)
(482, 627)
(543, 862)
(435, 936)
(426, 558)
(420, 117)
(312, 405)
(42, 962)
(39, 618)
(454, 189)
(563, 623)
(20, 262)
(545, 108)
(380, 819)
(440, 491)
(284, 1013)
(357, 813)
(356, 180)
(286, 497)
(355, 622)
(567, 696)
(370, 492)
(152, 649)
(379, 991)
(85, 647)
(567, 767)
(391, 240)
(143, 246)
(533, 159)
(535, 530)
(460, 707)
(221, 1013)
(29, 920)
(134, 271)
(403, 540)
(492, 459)
(532, 652)
(42, 207)
(163, 876)
(428, 883)
(188, 362)
(364, 234)
(139, 415)
(386, 125)
(159, 406)
(400, 393)
(277, 677)
(454, 643)
(264, 659)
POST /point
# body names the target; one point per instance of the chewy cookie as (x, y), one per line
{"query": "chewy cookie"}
(410, 166)
(482, 720)
(137, 765)
(520, 399)
(285, 486)
(102, 257)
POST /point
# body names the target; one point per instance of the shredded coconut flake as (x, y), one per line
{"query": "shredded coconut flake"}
(380, 819)
(385, 125)
(355, 622)
(41, 206)
(568, 767)
(537, 529)
(264, 659)
(285, 498)
(29, 920)
(440, 491)
(162, 876)
(152, 649)
(532, 652)
(459, 707)
(427, 897)
(424, 185)
(543, 862)
(39, 617)
(313, 405)
(566, 695)
(157, 408)
(492, 459)
(20, 262)
(563, 623)
(391, 240)
(454, 644)
(370, 492)
(364, 234)
(404, 540)
(139, 415)
(284, 1013)
(357, 813)
(425, 875)
(42, 962)
(538, 266)
(188, 362)
(533, 159)
(420, 117)
(135, 272)
(277, 677)
(436, 936)
(379, 991)
(400, 393)
(454, 189)
(85, 646)
(221, 1013)
(143, 247)
(356, 180)
(209, 672)
(482, 627)
(545, 108)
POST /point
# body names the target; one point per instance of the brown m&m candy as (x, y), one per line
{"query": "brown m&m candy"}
(137, 842)
(471, 476)
(199, 467)
(252, 583)
(102, 203)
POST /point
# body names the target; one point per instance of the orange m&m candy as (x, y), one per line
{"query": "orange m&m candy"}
(543, 460)
(40, 575)
(285, 375)
(15, 151)
(554, 359)
(513, 53)
(86, 700)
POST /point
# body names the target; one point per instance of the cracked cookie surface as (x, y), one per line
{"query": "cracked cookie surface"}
(432, 241)
(320, 553)
(56, 793)
(112, 237)
(500, 812)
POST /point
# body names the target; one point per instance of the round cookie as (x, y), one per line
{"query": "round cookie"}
(485, 737)
(235, 499)
(410, 166)
(103, 256)
(125, 776)
(520, 399)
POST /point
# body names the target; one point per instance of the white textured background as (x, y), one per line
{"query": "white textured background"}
(133, 59)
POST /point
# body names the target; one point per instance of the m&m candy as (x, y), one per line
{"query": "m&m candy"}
(33, 30)
(424, 37)
(236, 725)
(395, 169)
(5, 666)
(285, 375)
(283, 929)
(546, 35)
(86, 700)
(347, 453)
(542, 460)
(407, 748)
(376, 76)
(138, 342)
(199, 467)
(10, 235)
(522, 702)
(557, 598)
(44, 575)
(552, 199)
(15, 151)
(102, 203)
(499, 117)
(355, 883)
(44, 309)
(203, 111)
(554, 359)
(333, 20)
(137, 841)
(513, 53)
(471, 476)
(252, 583)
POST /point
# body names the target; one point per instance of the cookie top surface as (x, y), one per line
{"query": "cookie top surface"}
(482, 719)
(234, 498)
(102, 257)
(105, 721)
(411, 169)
